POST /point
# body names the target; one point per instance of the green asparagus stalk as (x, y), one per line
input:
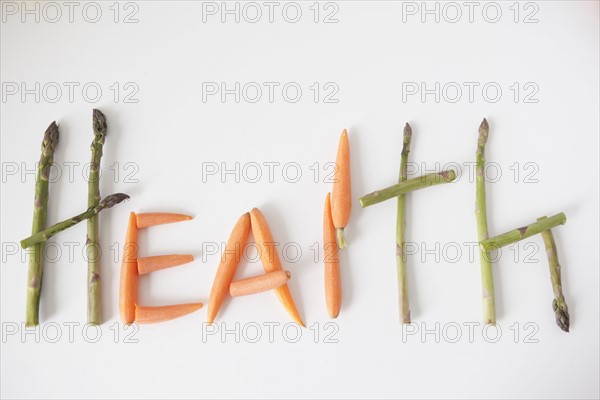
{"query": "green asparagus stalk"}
(487, 277)
(400, 231)
(409, 185)
(523, 232)
(559, 305)
(40, 211)
(94, 300)
(45, 234)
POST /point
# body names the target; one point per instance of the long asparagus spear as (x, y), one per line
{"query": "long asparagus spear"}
(94, 300)
(47, 233)
(400, 231)
(559, 305)
(40, 210)
(487, 278)
(409, 185)
(510, 237)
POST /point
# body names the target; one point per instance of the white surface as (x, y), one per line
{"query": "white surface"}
(170, 132)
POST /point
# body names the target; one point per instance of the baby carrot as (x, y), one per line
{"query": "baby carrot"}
(228, 265)
(146, 265)
(260, 283)
(144, 220)
(270, 260)
(333, 281)
(150, 315)
(341, 194)
(128, 291)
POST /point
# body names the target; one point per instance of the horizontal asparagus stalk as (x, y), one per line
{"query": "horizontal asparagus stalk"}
(45, 234)
(523, 232)
(559, 305)
(409, 185)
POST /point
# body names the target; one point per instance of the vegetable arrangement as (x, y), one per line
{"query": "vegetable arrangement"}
(543, 225)
(133, 266)
(336, 215)
(41, 234)
(399, 190)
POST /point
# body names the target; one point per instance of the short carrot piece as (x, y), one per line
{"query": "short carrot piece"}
(260, 283)
(128, 290)
(146, 265)
(145, 220)
(270, 260)
(151, 315)
(333, 280)
(228, 265)
(341, 194)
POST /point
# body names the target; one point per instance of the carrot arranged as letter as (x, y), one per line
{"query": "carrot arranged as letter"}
(150, 315)
(341, 194)
(128, 291)
(145, 220)
(260, 283)
(150, 264)
(333, 281)
(229, 261)
(270, 260)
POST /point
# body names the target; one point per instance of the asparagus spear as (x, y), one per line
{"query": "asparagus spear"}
(47, 233)
(400, 231)
(409, 185)
(487, 277)
(559, 304)
(94, 300)
(40, 210)
(510, 237)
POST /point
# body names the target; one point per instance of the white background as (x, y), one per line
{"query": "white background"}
(170, 132)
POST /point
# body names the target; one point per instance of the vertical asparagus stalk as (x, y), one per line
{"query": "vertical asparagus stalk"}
(94, 300)
(559, 304)
(400, 231)
(487, 278)
(46, 233)
(40, 210)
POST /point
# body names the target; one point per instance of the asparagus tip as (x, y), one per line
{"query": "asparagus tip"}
(51, 137)
(484, 130)
(407, 133)
(561, 312)
(113, 200)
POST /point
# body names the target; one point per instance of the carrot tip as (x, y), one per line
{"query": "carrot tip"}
(145, 220)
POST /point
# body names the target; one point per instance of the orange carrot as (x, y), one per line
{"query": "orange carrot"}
(144, 220)
(228, 265)
(128, 291)
(260, 283)
(150, 264)
(333, 281)
(270, 260)
(150, 315)
(341, 194)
